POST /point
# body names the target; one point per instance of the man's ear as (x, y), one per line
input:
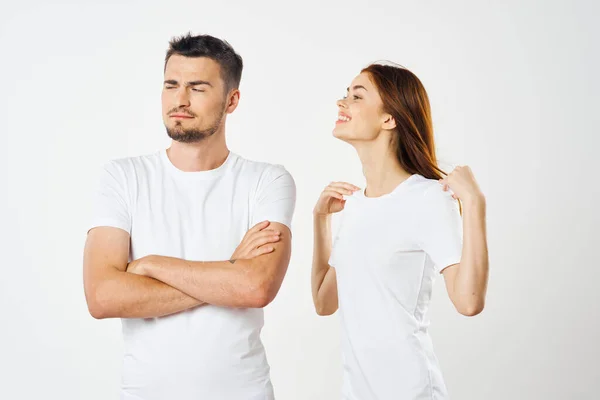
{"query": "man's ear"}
(233, 101)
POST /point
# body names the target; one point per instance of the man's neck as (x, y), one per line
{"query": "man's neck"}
(210, 153)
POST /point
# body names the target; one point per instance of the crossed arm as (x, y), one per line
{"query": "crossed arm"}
(155, 286)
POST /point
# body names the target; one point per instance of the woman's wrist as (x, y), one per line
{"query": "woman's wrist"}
(476, 200)
(321, 216)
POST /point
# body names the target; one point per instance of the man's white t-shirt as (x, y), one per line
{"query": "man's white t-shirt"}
(387, 254)
(208, 352)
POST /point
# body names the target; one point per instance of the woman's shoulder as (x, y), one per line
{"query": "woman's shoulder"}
(422, 186)
(430, 192)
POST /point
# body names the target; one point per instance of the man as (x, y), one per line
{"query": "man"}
(188, 244)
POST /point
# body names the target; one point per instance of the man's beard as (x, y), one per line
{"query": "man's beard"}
(192, 135)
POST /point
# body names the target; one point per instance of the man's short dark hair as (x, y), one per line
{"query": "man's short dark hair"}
(216, 49)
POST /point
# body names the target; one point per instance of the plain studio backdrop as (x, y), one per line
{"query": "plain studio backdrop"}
(514, 93)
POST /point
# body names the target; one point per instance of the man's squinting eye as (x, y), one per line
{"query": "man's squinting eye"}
(193, 89)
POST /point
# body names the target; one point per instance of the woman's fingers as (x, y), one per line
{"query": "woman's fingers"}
(348, 185)
(444, 183)
(343, 186)
(335, 190)
(334, 194)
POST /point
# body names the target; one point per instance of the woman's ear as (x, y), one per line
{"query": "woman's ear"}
(389, 122)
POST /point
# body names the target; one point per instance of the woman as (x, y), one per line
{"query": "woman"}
(394, 238)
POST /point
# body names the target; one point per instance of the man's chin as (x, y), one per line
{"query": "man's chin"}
(187, 135)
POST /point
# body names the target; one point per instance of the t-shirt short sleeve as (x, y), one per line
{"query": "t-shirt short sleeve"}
(110, 205)
(440, 228)
(275, 197)
(336, 227)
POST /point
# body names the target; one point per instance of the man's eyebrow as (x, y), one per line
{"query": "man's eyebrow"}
(191, 83)
(356, 87)
(195, 83)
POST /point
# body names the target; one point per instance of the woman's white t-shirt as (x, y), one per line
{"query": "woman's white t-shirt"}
(387, 254)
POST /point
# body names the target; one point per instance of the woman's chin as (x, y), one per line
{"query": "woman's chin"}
(340, 133)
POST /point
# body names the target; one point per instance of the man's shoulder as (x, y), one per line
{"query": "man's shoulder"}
(133, 164)
(259, 168)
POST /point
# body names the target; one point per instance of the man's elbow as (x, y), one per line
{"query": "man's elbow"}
(96, 310)
(264, 283)
(262, 292)
(262, 296)
(99, 304)
(260, 300)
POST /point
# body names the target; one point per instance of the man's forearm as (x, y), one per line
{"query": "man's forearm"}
(127, 295)
(235, 283)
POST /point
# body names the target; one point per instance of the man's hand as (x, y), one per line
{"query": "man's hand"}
(137, 266)
(255, 242)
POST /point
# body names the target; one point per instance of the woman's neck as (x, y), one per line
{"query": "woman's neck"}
(381, 167)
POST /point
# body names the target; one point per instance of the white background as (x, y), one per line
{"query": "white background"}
(514, 92)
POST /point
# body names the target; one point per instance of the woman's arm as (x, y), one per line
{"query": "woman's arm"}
(466, 282)
(323, 279)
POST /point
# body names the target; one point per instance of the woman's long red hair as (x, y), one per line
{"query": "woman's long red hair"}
(404, 98)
